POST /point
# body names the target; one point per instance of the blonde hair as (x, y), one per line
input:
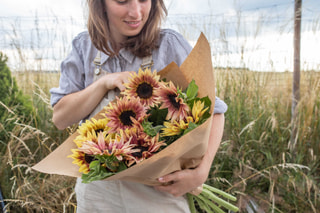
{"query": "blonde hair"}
(140, 45)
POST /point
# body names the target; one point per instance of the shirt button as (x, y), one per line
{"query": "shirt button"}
(97, 71)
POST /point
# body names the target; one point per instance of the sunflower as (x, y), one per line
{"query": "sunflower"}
(95, 143)
(122, 113)
(198, 110)
(111, 150)
(177, 108)
(81, 159)
(175, 127)
(144, 145)
(143, 85)
(99, 125)
(103, 144)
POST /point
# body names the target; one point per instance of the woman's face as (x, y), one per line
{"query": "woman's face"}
(127, 17)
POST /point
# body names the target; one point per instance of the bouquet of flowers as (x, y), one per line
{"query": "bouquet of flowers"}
(150, 115)
(159, 121)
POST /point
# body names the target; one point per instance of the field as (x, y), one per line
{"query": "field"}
(256, 160)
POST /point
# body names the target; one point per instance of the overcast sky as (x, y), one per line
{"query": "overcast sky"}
(265, 30)
(75, 7)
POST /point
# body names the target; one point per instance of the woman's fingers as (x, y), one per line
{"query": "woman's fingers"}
(178, 183)
(114, 80)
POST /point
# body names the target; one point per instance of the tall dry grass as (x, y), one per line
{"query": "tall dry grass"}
(254, 160)
(24, 189)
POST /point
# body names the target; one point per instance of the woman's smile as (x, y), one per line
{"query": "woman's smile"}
(133, 24)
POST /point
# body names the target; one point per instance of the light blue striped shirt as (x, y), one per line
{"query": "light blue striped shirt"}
(77, 70)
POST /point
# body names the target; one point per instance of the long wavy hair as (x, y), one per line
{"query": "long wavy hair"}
(140, 45)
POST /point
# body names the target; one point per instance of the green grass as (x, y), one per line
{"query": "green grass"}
(253, 162)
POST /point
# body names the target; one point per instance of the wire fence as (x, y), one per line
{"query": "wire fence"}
(259, 38)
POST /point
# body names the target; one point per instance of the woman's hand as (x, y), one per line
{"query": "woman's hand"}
(113, 80)
(182, 182)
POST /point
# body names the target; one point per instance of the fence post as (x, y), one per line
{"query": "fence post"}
(296, 74)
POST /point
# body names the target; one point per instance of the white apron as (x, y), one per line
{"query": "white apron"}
(123, 196)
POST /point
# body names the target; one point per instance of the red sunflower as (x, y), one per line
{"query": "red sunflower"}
(143, 85)
(123, 111)
(169, 97)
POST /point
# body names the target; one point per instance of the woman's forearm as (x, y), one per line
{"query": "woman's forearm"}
(215, 137)
(73, 107)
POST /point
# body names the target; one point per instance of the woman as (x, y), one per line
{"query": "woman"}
(122, 35)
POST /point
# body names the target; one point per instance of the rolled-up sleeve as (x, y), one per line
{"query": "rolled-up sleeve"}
(220, 106)
(72, 74)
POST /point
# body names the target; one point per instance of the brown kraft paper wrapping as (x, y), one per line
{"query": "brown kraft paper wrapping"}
(186, 152)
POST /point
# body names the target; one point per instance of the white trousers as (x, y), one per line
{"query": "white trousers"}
(125, 197)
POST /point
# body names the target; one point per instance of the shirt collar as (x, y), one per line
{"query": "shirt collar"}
(127, 55)
(104, 57)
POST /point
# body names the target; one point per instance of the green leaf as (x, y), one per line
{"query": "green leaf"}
(97, 172)
(94, 164)
(122, 166)
(190, 127)
(157, 116)
(112, 163)
(151, 130)
(170, 139)
(192, 90)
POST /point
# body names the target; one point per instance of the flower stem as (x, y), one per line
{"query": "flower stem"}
(203, 205)
(211, 204)
(191, 203)
(211, 196)
(220, 192)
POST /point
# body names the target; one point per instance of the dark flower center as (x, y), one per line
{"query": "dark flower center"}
(139, 153)
(88, 158)
(144, 90)
(125, 117)
(172, 99)
(98, 131)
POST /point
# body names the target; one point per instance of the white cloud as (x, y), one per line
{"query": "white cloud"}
(198, 7)
(42, 8)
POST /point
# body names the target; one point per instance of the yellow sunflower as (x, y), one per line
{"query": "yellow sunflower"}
(198, 110)
(99, 125)
(175, 127)
(122, 113)
(81, 159)
(143, 85)
(169, 97)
